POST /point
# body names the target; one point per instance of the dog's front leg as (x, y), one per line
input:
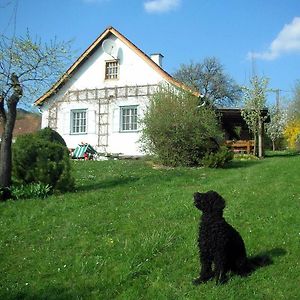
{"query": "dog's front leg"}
(220, 272)
(206, 272)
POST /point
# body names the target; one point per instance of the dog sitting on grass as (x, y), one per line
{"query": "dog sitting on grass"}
(220, 245)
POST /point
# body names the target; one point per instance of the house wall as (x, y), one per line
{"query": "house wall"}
(134, 71)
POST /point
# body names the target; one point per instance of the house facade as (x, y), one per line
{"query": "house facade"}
(104, 94)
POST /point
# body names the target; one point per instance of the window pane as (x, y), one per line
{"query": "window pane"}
(78, 121)
(128, 118)
(111, 69)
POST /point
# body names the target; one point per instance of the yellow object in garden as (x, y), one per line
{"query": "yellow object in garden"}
(292, 133)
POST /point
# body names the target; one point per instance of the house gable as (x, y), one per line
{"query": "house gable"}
(82, 73)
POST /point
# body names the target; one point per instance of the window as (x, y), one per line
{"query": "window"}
(112, 69)
(78, 121)
(129, 118)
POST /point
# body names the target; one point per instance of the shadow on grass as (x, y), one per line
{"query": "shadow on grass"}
(54, 293)
(106, 184)
(237, 164)
(282, 154)
(265, 258)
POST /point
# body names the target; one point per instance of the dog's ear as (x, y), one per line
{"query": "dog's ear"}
(218, 201)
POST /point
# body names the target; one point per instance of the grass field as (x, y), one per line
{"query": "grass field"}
(129, 232)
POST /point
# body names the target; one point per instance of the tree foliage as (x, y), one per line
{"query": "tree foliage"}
(275, 128)
(35, 64)
(292, 128)
(211, 81)
(294, 107)
(178, 130)
(27, 68)
(292, 134)
(254, 104)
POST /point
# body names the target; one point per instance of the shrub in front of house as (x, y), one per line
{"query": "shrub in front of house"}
(36, 159)
(51, 135)
(178, 130)
(217, 159)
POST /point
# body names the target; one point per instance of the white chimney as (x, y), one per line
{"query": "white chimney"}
(157, 58)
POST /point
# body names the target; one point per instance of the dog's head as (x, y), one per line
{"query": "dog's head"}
(210, 202)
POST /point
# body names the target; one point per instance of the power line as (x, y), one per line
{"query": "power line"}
(13, 18)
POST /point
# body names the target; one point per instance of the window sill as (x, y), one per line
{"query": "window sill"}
(78, 133)
(111, 79)
(129, 131)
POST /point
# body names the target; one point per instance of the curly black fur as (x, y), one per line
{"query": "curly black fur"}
(219, 243)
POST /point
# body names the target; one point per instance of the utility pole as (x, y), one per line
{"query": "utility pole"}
(253, 65)
(277, 91)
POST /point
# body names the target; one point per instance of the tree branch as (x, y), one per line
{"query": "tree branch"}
(18, 91)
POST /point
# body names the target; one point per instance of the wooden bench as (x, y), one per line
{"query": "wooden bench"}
(241, 146)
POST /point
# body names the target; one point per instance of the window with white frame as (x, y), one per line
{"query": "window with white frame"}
(78, 121)
(129, 118)
(112, 69)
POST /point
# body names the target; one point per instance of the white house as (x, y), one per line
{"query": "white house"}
(101, 97)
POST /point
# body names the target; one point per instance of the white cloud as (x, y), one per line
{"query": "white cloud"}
(160, 6)
(287, 41)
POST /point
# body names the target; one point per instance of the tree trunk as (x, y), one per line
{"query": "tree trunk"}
(6, 162)
(260, 139)
(255, 144)
(273, 145)
(8, 118)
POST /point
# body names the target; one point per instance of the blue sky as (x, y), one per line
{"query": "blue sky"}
(182, 30)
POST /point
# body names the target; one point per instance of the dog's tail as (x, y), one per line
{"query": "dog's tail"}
(252, 263)
(259, 261)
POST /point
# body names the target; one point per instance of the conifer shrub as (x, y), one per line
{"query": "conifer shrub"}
(178, 130)
(51, 135)
(42, 158)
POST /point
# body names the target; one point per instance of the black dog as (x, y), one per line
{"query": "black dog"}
(219, 243)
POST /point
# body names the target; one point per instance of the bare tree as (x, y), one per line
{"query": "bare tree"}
(210, 79)
(27, 68)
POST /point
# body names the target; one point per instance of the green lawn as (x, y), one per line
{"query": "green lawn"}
(129, 232)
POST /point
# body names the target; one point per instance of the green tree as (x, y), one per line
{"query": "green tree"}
(294, 107)
(27, 68)
(252, 112)
(278, 121)
(178, 130)
(210, 80)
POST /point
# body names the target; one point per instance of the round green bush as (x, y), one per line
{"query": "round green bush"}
(38, 158)
(51, 135)
(178, 130)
